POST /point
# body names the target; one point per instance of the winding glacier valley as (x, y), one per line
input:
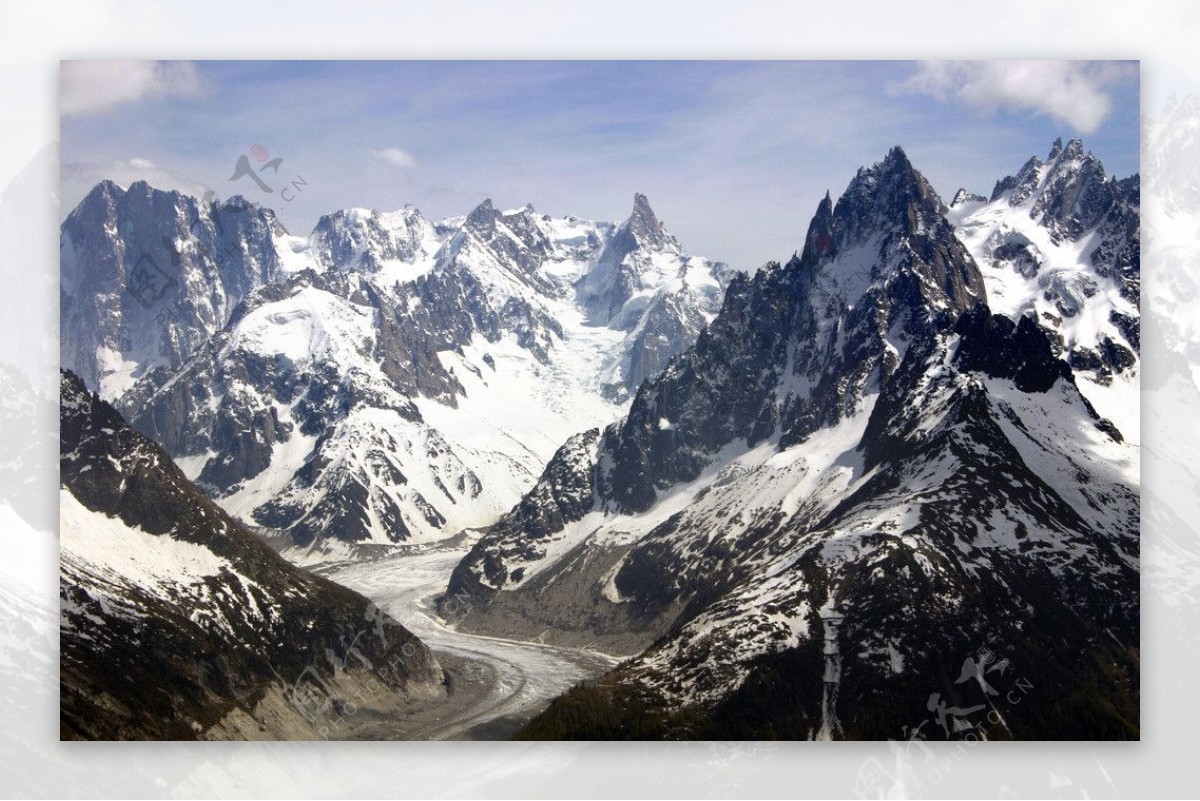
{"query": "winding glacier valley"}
(496, 684)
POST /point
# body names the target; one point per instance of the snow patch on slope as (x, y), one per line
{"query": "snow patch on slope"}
(117, 555)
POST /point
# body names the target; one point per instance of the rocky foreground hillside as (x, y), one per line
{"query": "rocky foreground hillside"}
(177, 623)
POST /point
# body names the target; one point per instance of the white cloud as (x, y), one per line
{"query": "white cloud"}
(1074, 92)
(395, 157)
(89, 87)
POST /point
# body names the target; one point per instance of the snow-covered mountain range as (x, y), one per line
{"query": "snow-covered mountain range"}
(797, 499)
(385, 380)
(860, 475)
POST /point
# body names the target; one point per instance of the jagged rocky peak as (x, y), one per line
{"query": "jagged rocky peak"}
(646, 228)
(1077, 192)
(1070, 192)
(1035, 226)
(890, 194)
(962, 197)
(626, 264)
(890, 226)
(482, 219)
(1056, 149)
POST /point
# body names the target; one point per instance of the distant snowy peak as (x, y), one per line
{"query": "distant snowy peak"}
(639, 256)
(645, 227)
(415, 382)
(367, 240)
(506, 250)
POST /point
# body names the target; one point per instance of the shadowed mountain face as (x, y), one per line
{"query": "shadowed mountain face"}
(863, 504)
(177, 623)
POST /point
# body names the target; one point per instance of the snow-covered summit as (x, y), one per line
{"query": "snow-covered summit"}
(1060, 240)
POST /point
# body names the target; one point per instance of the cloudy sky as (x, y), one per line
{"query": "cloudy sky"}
(734, 156)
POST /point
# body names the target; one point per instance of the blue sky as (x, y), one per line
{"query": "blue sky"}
(734, 156)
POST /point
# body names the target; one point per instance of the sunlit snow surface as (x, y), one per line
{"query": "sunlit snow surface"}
(115, 554)
(1066, 269)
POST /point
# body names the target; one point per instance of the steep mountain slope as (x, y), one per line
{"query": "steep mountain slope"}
(148, 276)
(177, 623)
(857, 478)
(415, 380)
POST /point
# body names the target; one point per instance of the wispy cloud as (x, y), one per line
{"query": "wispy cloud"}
(80, 177)
(91, 87)
(1074, 92)
(394, 157)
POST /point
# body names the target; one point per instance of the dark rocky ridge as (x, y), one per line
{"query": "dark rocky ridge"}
(280, 624)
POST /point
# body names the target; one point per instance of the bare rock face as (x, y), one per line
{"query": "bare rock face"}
(148, 276)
